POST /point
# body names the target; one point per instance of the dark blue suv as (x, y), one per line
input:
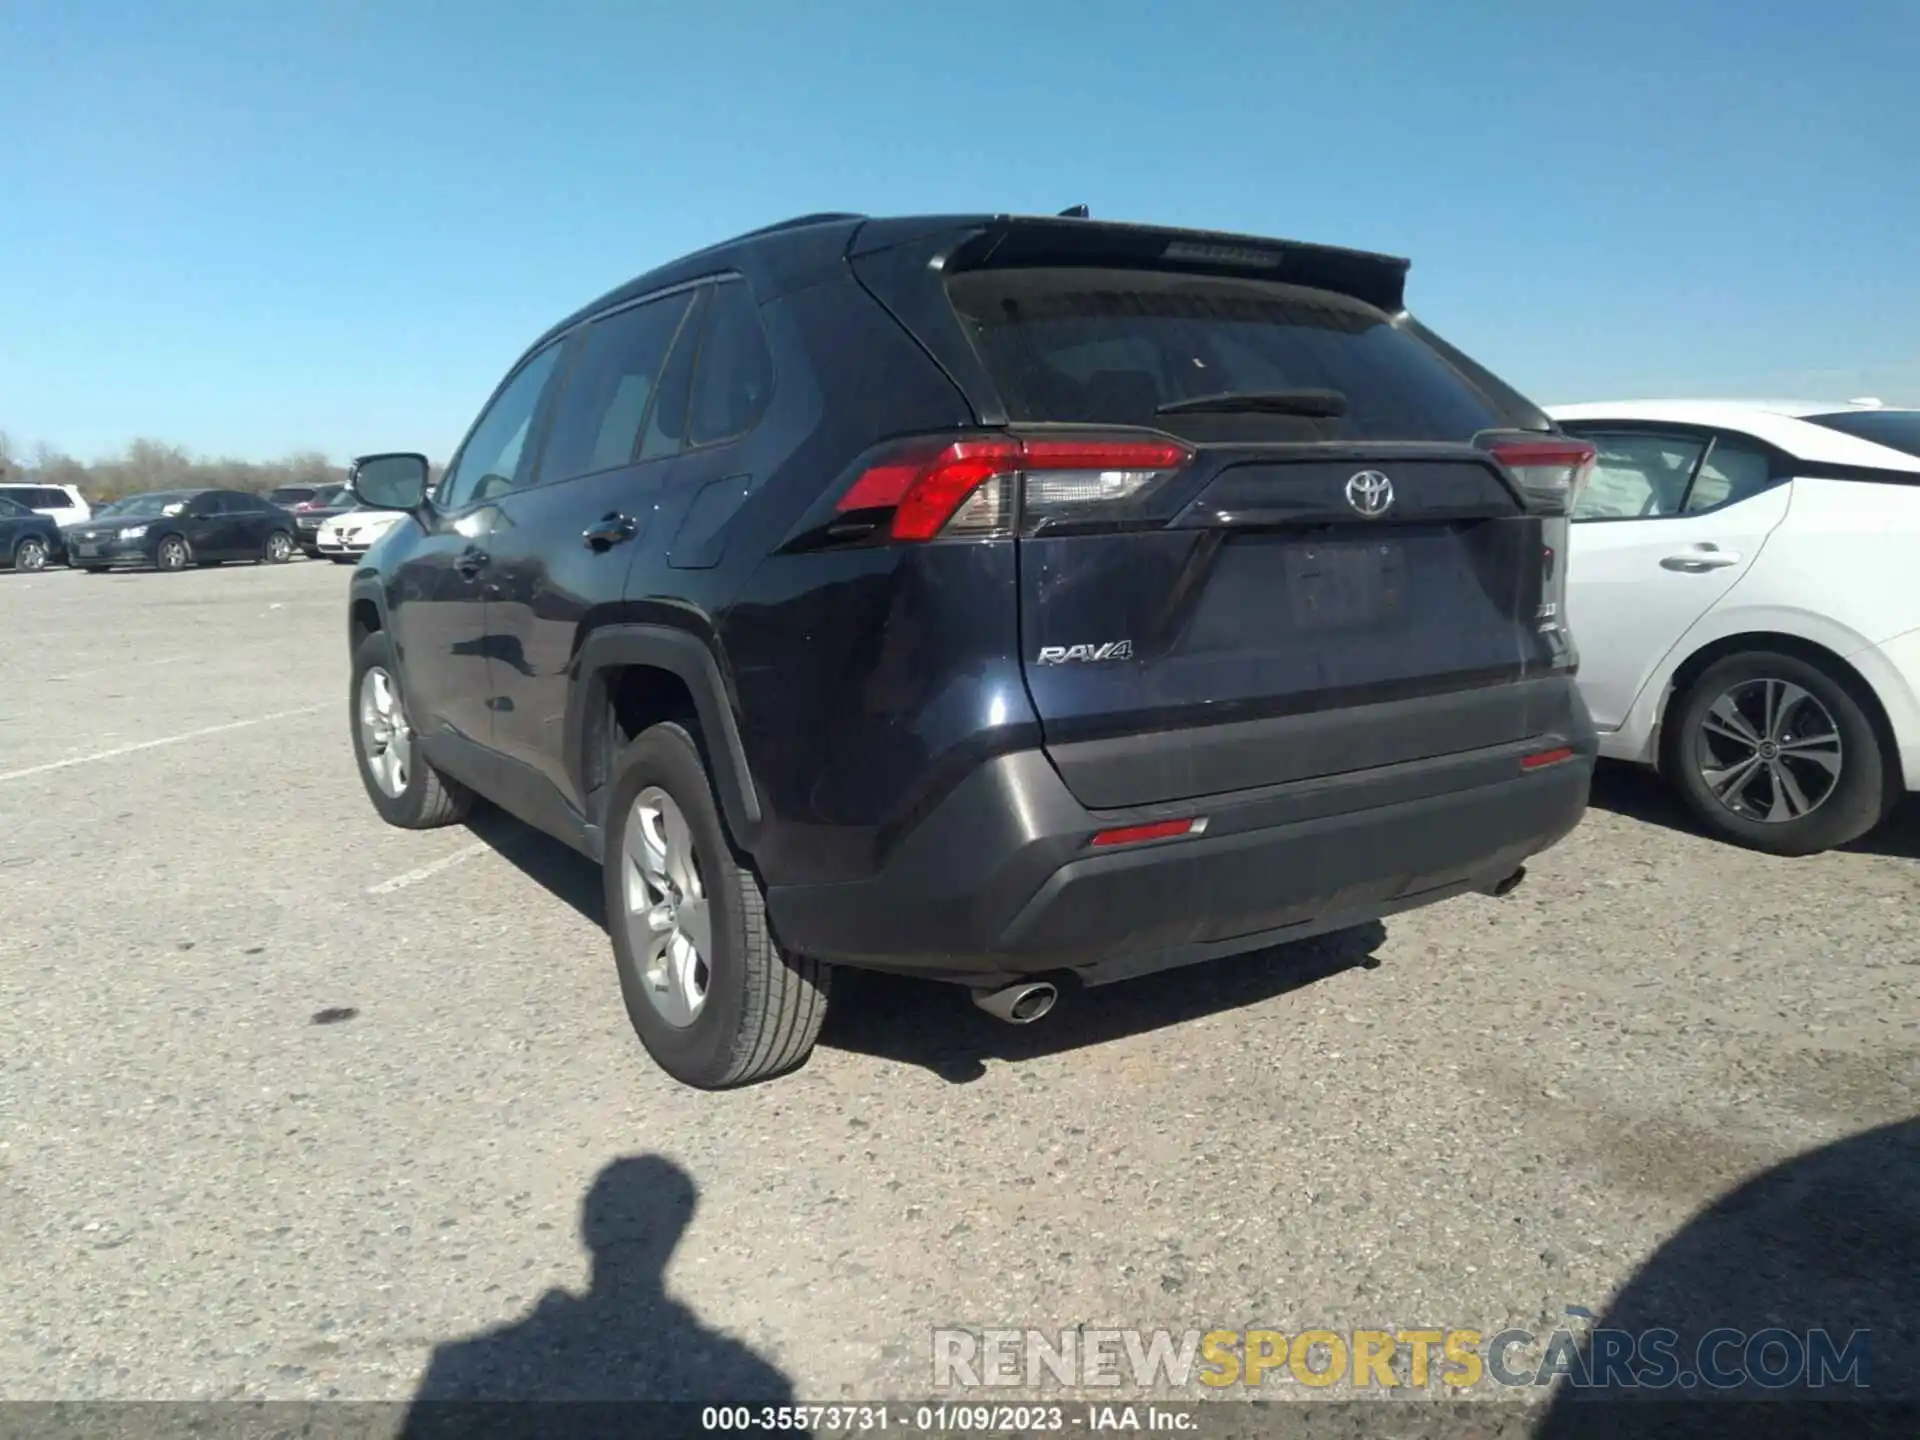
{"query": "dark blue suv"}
(1001, 600)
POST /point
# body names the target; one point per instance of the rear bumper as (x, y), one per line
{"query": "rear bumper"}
(1000, 881)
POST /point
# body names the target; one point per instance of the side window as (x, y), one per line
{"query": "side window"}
(49, 500)
(610, 389)
(1735, 469)
(11, 510)
(1636, 475)
(667, 422)
(493, 459)
(733, 379)
(211, 503)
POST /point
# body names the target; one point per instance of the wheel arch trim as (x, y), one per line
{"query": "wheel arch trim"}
(369, 591)
(692, 659)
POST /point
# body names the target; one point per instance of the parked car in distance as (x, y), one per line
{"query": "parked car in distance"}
(1741, 588)
(1007, 601)
(28, 540)
(346, 537)
(289, 496)
(310, 514)
(174, 529)
(62, 504)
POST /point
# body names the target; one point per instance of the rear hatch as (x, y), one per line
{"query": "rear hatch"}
(1302, 555)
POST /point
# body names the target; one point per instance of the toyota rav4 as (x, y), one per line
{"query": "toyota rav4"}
(1007, 601)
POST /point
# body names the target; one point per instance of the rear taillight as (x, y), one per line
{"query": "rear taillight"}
(986, 485)
(1550, 472)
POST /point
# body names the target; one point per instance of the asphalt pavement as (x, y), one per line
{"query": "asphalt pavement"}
(295, 1105)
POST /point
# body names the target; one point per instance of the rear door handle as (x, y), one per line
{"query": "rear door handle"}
(1701, 558)
(472, 562)
(609, 530)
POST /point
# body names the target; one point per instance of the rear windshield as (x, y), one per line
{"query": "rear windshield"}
(1111, 346)
(1896, 429)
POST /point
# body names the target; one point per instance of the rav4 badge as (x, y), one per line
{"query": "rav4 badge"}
(1074, 654)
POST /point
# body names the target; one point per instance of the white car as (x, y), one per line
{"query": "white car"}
(1743, 587)
(62, 504)
(345, 538)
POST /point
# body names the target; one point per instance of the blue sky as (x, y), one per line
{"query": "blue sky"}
(250, 228)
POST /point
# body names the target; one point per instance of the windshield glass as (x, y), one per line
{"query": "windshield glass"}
(161, 502)
(1896, 429)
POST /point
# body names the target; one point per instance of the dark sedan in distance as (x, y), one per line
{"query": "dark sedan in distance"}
(175, 529)
(28, 540)
(314, 511)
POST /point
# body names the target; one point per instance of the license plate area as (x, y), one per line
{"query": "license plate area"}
(88, 547)
(1345, 584)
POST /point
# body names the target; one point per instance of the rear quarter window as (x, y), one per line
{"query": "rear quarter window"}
(1896, 429)
(1110, 347)
(733, 378)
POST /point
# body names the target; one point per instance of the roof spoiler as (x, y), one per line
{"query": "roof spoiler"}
(1021, 240)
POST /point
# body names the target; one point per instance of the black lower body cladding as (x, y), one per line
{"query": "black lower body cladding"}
(1001, 880)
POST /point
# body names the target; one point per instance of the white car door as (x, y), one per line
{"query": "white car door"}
(1669, 522)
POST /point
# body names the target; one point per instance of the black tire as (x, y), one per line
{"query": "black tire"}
(279, 548)
(172, 553)
(342, 559)
(763, 1007)
(1854, 802)
(30, 554)
(429, 799)
(309, 552)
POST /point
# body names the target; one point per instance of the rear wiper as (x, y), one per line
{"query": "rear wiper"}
(1316, 404)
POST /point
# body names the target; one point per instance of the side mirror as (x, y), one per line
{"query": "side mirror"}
(390, 482)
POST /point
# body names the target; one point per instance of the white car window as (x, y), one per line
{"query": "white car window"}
(1734, 470)
(1637, 476)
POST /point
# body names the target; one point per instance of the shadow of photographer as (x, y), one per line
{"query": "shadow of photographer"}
(624, 1340)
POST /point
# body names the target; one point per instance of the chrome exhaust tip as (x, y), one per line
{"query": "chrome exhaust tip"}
(1506, 886)
(1020, 1004)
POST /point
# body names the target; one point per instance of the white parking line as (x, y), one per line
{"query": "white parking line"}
(122, 665)
(118, 751)
(430, 869)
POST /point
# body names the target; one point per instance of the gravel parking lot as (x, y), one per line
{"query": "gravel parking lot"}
(290, 1100)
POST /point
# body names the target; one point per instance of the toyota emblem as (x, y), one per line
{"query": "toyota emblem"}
(1370, 493)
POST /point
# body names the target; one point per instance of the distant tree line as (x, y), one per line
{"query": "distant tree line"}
(152, 465)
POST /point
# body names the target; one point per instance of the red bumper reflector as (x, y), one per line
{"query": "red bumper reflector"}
(1546, 757)
(1134, 834)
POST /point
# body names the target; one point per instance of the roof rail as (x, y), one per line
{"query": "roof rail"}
(819, 218)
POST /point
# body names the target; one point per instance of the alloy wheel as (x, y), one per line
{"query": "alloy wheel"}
(173, 553)
(32, 555)
(1768, 750)
(669, 921)
(385, 736)
(279, 547)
